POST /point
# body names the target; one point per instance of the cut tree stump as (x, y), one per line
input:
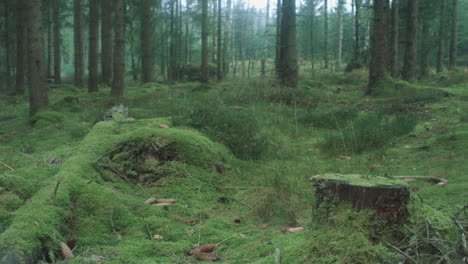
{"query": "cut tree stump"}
(387, 197)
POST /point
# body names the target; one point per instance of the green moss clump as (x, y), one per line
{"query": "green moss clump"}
(45, 118)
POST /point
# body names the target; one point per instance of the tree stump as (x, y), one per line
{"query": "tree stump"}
(387, 197)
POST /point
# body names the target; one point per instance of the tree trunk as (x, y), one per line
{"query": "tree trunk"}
(219, 55)
(265, 39)
(7, 46)
(378, 52)
(147, 63)
(172, 48)
(440, 52)
(118, 83)
(38, 87)
(340, 32)
(312, 7)
(394, 65)
(93, 45)
(49, 23)
(226, 46)
(106, 41)
(288, 60)
(425, 43)
(57, 56)
(409, 67)
(132, 52)
(454, 37)
(213, 33)
(325, 40)
(20, 49)
(278, 36)
(78, 43)
(357, 33)
(204, 35)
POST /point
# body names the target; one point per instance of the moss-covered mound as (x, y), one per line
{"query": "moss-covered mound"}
(48, 217)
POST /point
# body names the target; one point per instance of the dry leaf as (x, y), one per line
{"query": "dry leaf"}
(66, 251)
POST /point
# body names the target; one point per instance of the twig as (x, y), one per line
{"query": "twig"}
(401, 252)
(8, 166)
(56, 188)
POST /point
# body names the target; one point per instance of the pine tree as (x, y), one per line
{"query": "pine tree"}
(204, 35)
(147, 62)
(118, 87)
(288, 73)
(57, 41)
(20, 47)
(106, 40)
(409, 67)
(378, 51)
(78, 42)
(38, 87)
(453, 37)
(93, 45)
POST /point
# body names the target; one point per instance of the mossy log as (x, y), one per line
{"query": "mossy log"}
(387, 197)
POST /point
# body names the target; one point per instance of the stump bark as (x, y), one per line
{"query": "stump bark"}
(387, 197)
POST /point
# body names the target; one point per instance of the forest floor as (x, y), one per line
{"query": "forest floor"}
(61, 178)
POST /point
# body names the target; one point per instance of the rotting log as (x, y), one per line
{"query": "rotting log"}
(387, 197)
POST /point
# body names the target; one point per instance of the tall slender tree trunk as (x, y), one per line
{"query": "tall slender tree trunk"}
(288, 60)
(132, 52)
(49, 22)
(440, 52)
(409, 67)
(313, 7)
(265, 38)
(118, 83)
(219, 47)
(357, 32)
(278, 36)
(20, 49)
(394, 65)
(243, 47)
(147, 62)
(78, 42)
(38, 94)
(378, 52)
(425, 43)
(453, 37)
(204, 77)
(106, 40)
(93, 45)
(340, 33)
(226, 46)
(172, 75)
(57, 56)
(325, 40)
(213, 33)
(7, 46)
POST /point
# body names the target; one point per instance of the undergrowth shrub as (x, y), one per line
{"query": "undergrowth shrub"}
(369, 131)
(333, 118)
(237, 128)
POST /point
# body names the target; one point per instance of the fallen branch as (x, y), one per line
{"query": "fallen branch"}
(402, 253)
(183, 220)
(292, 230)
(8, 166)
(440, 181)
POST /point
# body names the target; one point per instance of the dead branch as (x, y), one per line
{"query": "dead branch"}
(402, 253)
(7, 166)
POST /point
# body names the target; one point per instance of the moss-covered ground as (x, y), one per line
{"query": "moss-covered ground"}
(53, 186)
